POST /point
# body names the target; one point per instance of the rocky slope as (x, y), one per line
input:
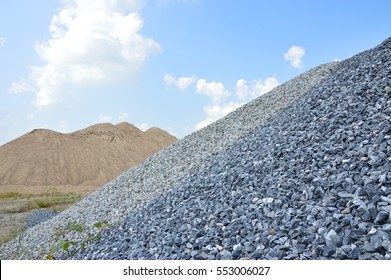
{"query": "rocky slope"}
(313, 182)
(158, 174)
(302, 172)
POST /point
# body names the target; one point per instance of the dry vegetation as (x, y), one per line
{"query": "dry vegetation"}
(16, 206)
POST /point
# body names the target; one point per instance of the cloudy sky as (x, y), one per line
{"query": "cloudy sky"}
(175, 64)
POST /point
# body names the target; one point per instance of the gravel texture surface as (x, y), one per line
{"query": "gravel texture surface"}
(158, 174)
(39, 216)
(313, 182)
(302, 172)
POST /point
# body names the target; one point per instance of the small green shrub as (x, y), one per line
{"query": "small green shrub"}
(101, 224)
(75, 226)
(42, 203)
(65, 244)
(70, 247)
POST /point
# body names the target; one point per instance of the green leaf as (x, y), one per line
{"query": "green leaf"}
(75, 226)
(64, 245)
(52, 248)
(98, 225)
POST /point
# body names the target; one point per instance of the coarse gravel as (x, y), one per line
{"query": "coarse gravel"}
(154, 177)
(312, 182)
(39, 216)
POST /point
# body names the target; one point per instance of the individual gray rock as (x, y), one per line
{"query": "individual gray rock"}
(369, 247)
(387, 245)
(345, 195)
(376, 242)
(382, 218)
(332, 238)
(372, 231)
(329, 251)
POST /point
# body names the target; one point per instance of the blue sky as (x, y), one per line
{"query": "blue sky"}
(175, 64)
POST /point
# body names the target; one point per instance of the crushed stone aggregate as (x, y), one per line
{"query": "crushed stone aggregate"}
(302, 172)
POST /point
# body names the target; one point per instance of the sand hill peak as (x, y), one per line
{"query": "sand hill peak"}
(82, 160)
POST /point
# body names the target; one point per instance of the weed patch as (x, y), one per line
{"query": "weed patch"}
(71, 247)
(10, 195)
(13, 234)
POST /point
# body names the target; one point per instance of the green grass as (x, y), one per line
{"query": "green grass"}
(57, 201)
(23, 203)
(13, 234)
(15, 195)
(10, 195)
(43, 203)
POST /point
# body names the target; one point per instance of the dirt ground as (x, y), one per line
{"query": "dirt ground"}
(16, 206)
(39, 190)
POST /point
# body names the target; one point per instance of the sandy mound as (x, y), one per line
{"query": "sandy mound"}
(81, 160)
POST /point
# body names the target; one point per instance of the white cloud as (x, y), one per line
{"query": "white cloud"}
(169, 79)
(181, 83)
(215, 112)
(184, 82)
(2, 41)
(49, 82)
(241, 89)
(258, 88)
(143, 126)
(214, 90)
(295, 55)
(261, 87)
(217, 92)
(92, 41)
(105, 118)
(22, 86)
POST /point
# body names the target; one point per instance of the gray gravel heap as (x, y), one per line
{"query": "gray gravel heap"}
(313, 182)
(39, 216)
(158, 174)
